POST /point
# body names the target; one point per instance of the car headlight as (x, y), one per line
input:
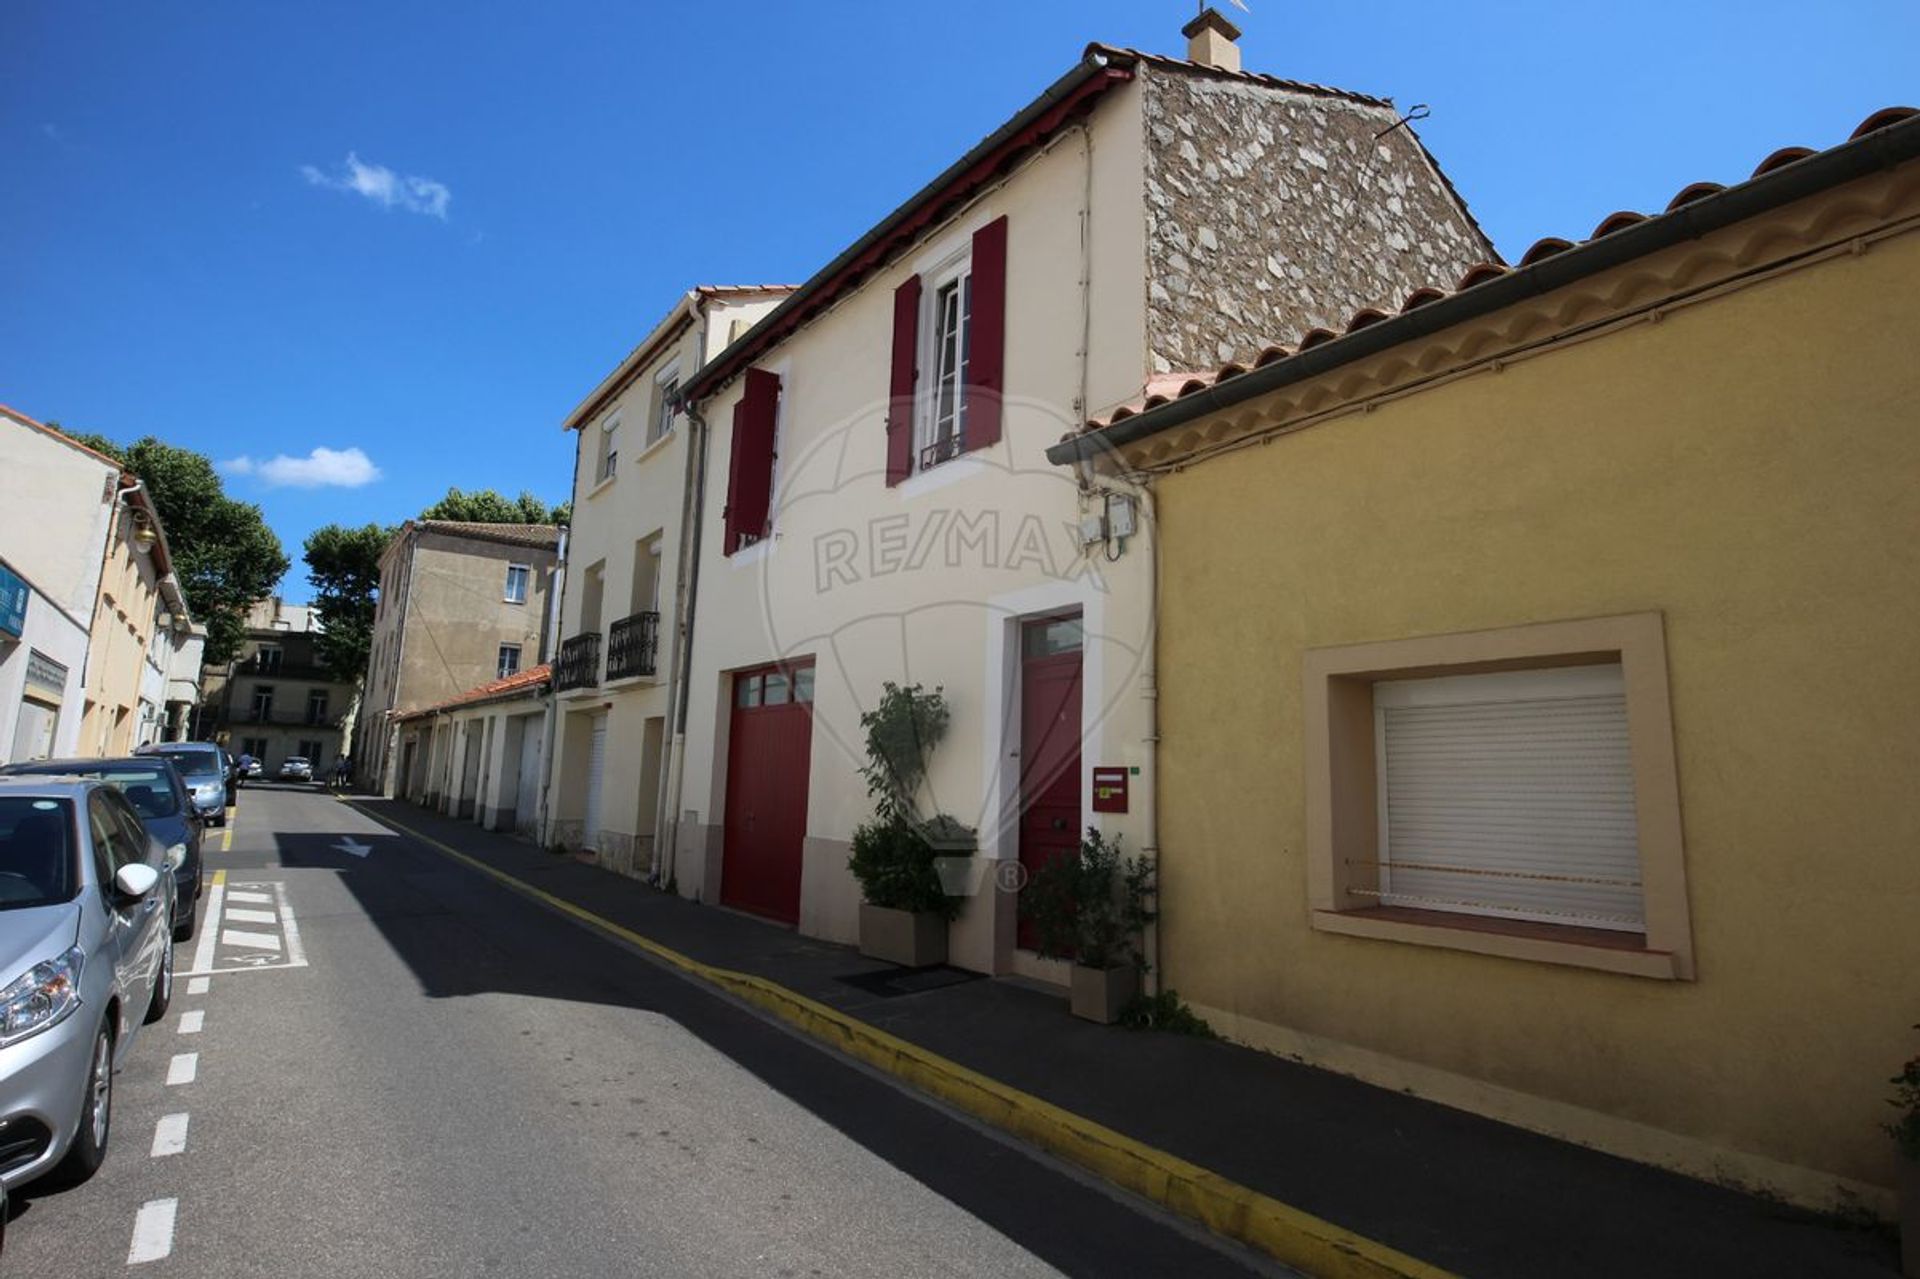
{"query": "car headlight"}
(176, 856)
(42, 996)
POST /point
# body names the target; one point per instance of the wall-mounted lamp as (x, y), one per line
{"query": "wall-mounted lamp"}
(144, 535)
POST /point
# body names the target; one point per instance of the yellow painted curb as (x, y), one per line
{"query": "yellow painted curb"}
(1297, 1238)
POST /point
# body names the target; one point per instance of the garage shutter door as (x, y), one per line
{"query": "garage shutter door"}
(596, 770)
(1510, 794)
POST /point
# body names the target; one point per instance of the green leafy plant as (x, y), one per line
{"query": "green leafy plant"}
(1090, 905)
(1168, 1012)
(1905, 1130)
(894, 854)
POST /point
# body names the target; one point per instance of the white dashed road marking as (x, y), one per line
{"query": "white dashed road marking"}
(198, 985)
(190, 1021)
(183, 1068)
(170, 1135)
(153, 1231)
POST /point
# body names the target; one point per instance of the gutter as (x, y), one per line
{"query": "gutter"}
(1882, 149)
(1096, 72)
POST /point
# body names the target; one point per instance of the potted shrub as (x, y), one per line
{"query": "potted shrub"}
(1905, 1132)
(904, 910)
(1090, 908)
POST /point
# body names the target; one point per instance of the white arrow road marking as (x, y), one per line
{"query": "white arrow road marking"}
(169, 1135)
(259, 941)
(352, 847)
(153, 1231)
(239, 916)
(183, 1068)
(190, 1021)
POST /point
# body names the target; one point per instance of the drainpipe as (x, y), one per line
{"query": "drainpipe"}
(550, 650)
(668, 861)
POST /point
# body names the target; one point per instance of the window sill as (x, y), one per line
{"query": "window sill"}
(1597, 948)
(653, 447)
(941, 474)
(601, 485)
(631, 681)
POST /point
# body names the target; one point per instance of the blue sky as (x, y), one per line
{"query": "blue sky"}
(179, 255)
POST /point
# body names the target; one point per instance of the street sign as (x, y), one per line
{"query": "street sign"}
(13, 603)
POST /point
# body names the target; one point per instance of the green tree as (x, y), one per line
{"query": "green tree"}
(343, 565)
(223, 552)
(485, 506)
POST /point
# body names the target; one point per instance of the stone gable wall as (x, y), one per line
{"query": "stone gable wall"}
(1270, 212)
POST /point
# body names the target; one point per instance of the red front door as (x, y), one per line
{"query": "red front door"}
(1049, 746)
(768, 759)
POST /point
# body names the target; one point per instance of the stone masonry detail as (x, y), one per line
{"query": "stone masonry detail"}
(1272, 211)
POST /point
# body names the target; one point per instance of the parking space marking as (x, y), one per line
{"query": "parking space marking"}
(256, 946)
(241, 895)
(170, 1135)
(257, 941)
(210, 928)
(290, 928)
(244, 916)
(183, 1068)
(153, 1231)
(190, 1022)
(198, 985)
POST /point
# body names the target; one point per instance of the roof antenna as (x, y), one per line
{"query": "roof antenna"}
(1418, 111)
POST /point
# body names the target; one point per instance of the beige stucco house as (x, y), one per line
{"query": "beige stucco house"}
(97, 663)
(485, 752)
(459, 604)
(1573, 780)
(275, 699)
(880, 506)
(637, 473)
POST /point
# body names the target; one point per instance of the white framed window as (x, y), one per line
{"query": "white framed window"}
(509, 663)
(946, 328)
(665, 386)
(1509, 794)
(517, 576)
(609, 455)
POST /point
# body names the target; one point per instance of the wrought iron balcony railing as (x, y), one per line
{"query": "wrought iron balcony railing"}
(633, 645)
(579, 665)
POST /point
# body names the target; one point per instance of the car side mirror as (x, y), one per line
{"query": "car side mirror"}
(135, 880)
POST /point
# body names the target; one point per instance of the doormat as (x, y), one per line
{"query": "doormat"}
(891, 983)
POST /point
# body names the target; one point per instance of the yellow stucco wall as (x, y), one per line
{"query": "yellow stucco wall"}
(1750, 467)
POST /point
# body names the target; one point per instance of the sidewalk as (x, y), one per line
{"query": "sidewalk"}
(1457, 1191)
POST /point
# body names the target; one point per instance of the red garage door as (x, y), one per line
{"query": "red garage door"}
(767, 766)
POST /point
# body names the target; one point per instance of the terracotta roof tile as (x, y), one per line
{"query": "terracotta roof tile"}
(529, 679)
(1184, 384)
(1218, 73)
(536, 536)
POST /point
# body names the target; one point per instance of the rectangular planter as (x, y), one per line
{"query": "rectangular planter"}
(1100, 993)
(902, 937)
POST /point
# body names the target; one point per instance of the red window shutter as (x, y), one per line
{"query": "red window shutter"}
(906, 350)
(750, 470)
(987, 340)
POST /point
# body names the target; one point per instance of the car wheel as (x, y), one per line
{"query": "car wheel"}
(184, 929)
(89, 1146)
(162, 986)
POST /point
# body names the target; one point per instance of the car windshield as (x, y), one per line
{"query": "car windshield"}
(36, 852)
(149, 790)
(197, 764)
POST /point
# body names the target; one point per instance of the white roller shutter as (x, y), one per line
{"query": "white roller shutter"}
(1510, 795)
(596, 769)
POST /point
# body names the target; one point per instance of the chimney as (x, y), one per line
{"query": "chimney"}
(1210, 41)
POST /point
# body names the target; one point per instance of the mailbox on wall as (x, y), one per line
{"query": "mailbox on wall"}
(1109, 790)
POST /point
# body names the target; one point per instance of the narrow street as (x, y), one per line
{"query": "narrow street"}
(380, 1063)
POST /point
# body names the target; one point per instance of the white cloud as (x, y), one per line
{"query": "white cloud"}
(323, 468)
(384, 187)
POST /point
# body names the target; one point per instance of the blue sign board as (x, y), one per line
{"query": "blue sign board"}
(13, 603)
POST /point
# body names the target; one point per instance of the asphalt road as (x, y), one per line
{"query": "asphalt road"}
(391, 1066)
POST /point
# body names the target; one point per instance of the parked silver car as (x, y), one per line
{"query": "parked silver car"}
(86, 957)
